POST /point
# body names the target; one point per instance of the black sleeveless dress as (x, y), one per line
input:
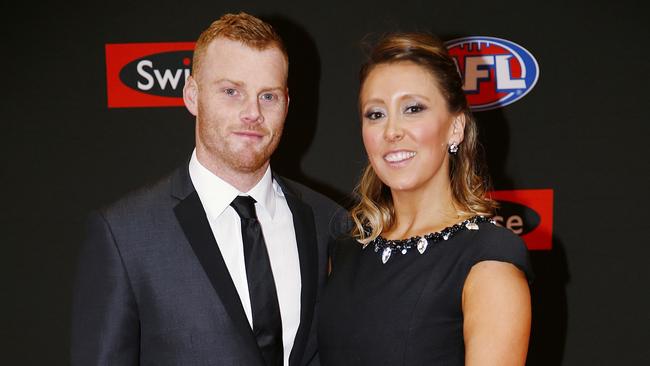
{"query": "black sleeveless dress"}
(406, 311)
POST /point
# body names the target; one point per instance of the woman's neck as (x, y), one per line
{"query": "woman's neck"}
(422, 211)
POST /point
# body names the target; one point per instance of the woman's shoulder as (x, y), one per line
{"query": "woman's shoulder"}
(493, 242)
(493, 236)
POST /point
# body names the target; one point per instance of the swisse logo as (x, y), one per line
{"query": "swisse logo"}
(496, 72)
(516, 217)
(163, 74)
(147, 74)
(527, 213)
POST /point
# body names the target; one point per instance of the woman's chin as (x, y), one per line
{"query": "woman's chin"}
(401, 185)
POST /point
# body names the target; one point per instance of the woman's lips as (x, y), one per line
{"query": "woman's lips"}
(395, 157)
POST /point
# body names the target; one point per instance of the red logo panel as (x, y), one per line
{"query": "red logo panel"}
(528, 213)
(147, 74)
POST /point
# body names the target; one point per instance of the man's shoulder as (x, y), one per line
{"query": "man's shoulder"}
(308, 195)
(327, 212)
(144, 199)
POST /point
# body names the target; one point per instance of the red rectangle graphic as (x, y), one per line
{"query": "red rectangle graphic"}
(147, 74)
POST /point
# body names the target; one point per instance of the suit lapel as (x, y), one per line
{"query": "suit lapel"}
(195, 225)
(303, 222)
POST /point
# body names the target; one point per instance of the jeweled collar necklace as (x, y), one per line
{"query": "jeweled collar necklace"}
(421, 243)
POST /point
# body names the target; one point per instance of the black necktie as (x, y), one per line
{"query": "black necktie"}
(267, 324)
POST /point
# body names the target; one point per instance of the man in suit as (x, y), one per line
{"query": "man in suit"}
(167, 275)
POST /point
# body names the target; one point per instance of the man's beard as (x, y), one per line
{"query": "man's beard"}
(250, 160)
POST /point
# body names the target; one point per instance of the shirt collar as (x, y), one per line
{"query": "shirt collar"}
(264, 193)
(217, 194)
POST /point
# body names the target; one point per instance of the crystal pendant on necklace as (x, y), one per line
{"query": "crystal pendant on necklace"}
(471, 226)
(385, 255)
(446, 236)
(422, 245)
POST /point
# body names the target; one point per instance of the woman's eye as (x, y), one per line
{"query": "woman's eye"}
(374, 115)
(414, 109)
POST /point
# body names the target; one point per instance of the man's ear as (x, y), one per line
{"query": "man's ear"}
(190, 95)
(457, 129)
(286, 108)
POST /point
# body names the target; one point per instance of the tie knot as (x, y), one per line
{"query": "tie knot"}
(245, 207)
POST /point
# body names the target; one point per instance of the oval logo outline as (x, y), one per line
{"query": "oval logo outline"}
(525, 59)
(130, 75)
(531, 218)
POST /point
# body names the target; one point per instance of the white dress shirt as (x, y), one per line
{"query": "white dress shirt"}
(276, 220)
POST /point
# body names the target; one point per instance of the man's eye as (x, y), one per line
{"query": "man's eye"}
(269, 97)
(374, 115)
(230, 91)
(414, 109)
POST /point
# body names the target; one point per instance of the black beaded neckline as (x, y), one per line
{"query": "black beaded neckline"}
(421, 243)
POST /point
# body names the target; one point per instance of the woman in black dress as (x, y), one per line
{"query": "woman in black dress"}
(425, 278)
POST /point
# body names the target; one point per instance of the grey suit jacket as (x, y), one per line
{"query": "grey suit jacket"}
(152, 287)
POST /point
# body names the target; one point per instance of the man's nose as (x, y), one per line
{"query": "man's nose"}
(251, 112)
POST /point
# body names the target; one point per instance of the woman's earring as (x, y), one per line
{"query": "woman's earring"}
(453, 148)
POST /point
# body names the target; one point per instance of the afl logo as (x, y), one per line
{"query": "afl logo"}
(495, 72)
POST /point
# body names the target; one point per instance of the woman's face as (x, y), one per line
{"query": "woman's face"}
(407, 127)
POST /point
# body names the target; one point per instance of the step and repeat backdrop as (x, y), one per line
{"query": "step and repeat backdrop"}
(92, 109)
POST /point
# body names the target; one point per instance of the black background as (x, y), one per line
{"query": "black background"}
(583, 132)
